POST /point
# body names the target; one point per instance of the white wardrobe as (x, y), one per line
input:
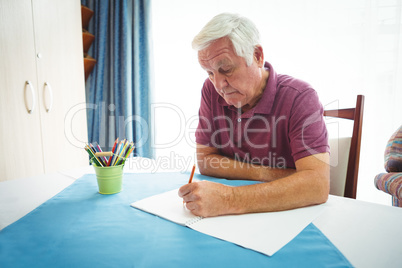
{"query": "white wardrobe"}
(43, 124)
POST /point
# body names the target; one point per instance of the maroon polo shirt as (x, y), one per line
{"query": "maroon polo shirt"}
(286, 124)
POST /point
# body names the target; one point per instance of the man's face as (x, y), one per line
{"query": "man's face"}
(240, 85)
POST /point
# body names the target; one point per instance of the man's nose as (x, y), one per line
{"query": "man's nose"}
(220, 82)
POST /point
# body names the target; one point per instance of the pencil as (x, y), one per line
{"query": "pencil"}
(94, 151)
(114, 147)
(191, 178)
(192, 175)
(130, 148)
(100, 150)
(123, 149)
(116, 153)
(93, 157)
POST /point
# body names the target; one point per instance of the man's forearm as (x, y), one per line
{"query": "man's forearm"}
(208, 199)
(220, 166)
(308, 186)
(298, 190)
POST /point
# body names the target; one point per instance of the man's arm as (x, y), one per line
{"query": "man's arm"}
(308, 185)
(211, 163)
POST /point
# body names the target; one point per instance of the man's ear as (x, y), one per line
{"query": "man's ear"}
(259, 55)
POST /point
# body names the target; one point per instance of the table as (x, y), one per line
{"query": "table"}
(368, 235)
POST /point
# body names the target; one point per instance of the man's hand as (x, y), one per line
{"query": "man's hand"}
(207, 198)
(306, 185)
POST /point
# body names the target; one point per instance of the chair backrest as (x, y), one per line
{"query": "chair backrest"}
(352, 167)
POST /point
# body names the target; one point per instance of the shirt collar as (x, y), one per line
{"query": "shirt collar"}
(265, 104)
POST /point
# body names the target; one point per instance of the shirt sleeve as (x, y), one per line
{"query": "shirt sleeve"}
(307, 130)
(205, 122)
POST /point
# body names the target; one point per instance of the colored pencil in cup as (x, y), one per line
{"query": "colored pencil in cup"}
(123, 149)
(94, 159)
(130, 149)
(113, 150)
(116, 153)
(94, 151)
(100, 150)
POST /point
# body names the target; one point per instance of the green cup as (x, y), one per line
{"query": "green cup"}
(110, 179)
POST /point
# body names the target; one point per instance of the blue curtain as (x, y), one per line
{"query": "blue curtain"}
(119, 88)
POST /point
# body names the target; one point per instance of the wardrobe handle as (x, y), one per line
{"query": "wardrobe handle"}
(33, 97)
(47, 85)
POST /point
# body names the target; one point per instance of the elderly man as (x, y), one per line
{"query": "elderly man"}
(254, 124)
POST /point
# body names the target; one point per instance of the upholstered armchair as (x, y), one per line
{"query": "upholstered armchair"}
(391, 182)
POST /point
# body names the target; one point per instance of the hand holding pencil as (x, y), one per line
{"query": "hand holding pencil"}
(192, 174)
(207, 199)
(191, 177)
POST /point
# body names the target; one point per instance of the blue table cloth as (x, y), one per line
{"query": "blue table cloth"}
(81, 228)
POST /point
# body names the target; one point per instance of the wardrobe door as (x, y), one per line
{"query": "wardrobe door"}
(58, 39)
(20, 125)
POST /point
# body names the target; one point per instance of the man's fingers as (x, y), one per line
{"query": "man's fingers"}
(190, 206)
(186, 190)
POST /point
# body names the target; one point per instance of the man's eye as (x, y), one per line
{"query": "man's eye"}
(225, 71)
(210, 74)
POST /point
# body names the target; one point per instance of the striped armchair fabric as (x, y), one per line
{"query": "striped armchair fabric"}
(391, 182)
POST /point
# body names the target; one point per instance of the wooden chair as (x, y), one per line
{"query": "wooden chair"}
(352, 167)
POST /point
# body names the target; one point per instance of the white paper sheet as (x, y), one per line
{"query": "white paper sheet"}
(262, 232)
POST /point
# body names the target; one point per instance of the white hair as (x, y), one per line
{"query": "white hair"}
(240, 30)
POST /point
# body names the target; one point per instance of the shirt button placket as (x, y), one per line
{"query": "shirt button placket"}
(237, 133)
